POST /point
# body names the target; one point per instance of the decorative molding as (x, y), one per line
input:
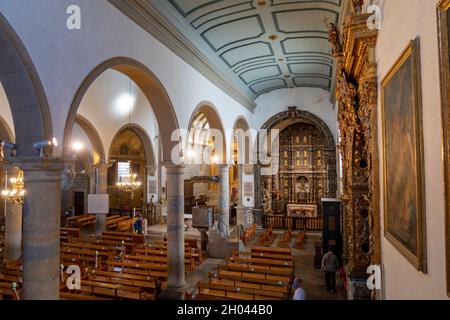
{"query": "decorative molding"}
(151, 20)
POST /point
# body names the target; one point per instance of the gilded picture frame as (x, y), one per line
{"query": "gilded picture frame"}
(443, 18)
(403, 178)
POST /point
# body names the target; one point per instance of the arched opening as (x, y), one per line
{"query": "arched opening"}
(131, 151)
(304, 167)
(206, 153)
(94, 138)
(153, 90)
(26, 96)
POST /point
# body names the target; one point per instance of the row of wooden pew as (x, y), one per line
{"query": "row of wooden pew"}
(248, 234)
(263, 273)
(267, 237)
(113, 222)
(121, 266)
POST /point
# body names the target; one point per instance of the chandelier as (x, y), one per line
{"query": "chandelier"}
(128, 183)
(17, 190)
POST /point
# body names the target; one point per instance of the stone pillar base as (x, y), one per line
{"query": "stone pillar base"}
(357, 288)
(171, 294)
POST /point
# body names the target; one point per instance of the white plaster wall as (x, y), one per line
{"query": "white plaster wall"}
(313, 100)
(78, 135)
(63, 58)
(403, 20)
(104, 107)
(5, 111)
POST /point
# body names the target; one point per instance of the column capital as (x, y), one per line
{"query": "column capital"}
(103, 165)
(170, 166)
(39, 164)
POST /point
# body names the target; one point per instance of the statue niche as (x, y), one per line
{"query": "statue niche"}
(302, 189)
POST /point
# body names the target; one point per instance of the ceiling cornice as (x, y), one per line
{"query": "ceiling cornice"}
(151, 20)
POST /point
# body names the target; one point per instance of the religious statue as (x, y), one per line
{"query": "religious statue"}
(302, 189)
(267, 200)
(334, 37)
(357, 6)
(163, 202)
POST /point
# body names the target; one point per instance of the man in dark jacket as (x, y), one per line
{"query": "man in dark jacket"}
(330, 265)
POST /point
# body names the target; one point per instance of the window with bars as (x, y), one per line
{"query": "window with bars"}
(123, 169)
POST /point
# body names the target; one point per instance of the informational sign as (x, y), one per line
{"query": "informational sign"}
(98, 203)
(248, 190)
(152, 189)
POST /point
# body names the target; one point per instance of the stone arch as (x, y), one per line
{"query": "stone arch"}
(215, 121)
(152, 88)
(295, 115)
(24, 90)
(287, 118)
(5, 131)
(94, 138)
(145, 139)
(241, 123)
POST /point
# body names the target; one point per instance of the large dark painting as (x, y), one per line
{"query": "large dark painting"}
(404, 204)
(443, 13)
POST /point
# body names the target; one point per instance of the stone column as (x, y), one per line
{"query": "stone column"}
(240, 208)
(13, 231)
(101, 188)
(224, 201)
(175, 226)
(41, 224)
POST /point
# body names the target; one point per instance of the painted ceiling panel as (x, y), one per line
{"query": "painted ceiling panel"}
(267, 85)
(260, 73)
(230, 32)
(303, 20)
(310, 68)
(280, 2)
(261, 45)
(312, 81)
(245, 53)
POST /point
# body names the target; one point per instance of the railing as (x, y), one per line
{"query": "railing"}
(293, 223)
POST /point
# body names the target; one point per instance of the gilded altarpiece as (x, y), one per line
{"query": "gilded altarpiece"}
(356, 94)
(303, 175)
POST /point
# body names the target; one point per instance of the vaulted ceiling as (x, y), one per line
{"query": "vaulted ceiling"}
(259, 45)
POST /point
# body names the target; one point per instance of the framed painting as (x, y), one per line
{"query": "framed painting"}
(443, 18)
(404, 188)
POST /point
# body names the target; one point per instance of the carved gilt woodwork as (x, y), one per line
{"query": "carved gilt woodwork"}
(357, 94)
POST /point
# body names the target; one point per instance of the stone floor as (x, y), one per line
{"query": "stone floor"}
(312, 279)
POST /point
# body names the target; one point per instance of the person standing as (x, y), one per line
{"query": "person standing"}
(330, 265)
(299, 293)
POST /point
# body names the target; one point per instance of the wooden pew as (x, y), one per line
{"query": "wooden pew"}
(110, 290)
(138, 268)
(262, 272)
(127, 236)
(300, 240)
(281, 251)
(262, 261)
(273, 256)
(111, 224)
(66, 233)
(160, 260)
(238, 293)
(248, 234)
(250, 282)
(79, 296)
(191, 254)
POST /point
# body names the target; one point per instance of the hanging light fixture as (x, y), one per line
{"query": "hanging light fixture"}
(129, 183)
(16, 192)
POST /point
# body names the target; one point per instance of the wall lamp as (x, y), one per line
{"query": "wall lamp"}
(12, 147)
(41, 146)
